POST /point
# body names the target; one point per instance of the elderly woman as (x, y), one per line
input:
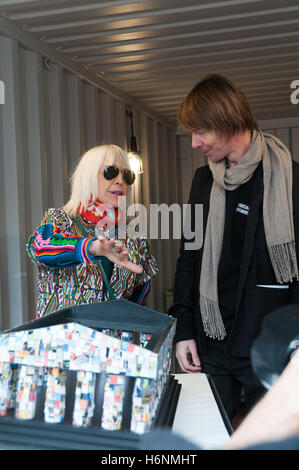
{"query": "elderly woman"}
(78, 261)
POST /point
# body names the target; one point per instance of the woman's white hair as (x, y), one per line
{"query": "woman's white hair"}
(84, 181)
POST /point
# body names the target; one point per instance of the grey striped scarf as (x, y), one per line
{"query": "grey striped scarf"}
(277, 215)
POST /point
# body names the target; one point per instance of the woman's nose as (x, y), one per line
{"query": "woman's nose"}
(119, 179)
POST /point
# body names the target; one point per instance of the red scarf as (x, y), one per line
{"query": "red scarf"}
(106, 217)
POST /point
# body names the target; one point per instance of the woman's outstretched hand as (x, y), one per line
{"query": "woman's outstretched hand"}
(115, 251)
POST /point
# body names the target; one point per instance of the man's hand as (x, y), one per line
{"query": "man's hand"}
(115, 252)
(183, 348)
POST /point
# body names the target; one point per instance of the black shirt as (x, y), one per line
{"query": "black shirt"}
(237, 210)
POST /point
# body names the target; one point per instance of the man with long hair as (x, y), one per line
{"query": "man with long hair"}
(247, 265)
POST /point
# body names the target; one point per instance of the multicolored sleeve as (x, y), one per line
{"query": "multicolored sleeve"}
(146, 259)
(50, 247)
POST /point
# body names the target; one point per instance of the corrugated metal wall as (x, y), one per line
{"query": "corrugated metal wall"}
(49, 118)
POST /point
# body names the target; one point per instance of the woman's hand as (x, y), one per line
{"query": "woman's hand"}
(115, 251)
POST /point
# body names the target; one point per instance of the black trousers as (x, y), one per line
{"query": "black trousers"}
(231, 375)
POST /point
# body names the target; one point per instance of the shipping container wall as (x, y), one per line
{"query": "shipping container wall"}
(50, 117)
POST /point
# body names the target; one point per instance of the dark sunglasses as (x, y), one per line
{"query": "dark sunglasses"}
(111, 172)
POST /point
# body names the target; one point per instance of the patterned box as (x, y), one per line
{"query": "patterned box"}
(99, 366)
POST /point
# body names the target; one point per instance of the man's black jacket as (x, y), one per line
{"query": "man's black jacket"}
(253, 302)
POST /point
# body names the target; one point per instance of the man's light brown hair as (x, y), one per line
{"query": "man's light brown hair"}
(217, 104)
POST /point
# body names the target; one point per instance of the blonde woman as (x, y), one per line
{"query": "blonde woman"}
(74, 265)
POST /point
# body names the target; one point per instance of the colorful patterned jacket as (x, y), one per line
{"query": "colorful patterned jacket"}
(67, 273)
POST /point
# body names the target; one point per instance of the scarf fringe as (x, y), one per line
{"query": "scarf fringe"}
(212, 319)
(284, 261)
